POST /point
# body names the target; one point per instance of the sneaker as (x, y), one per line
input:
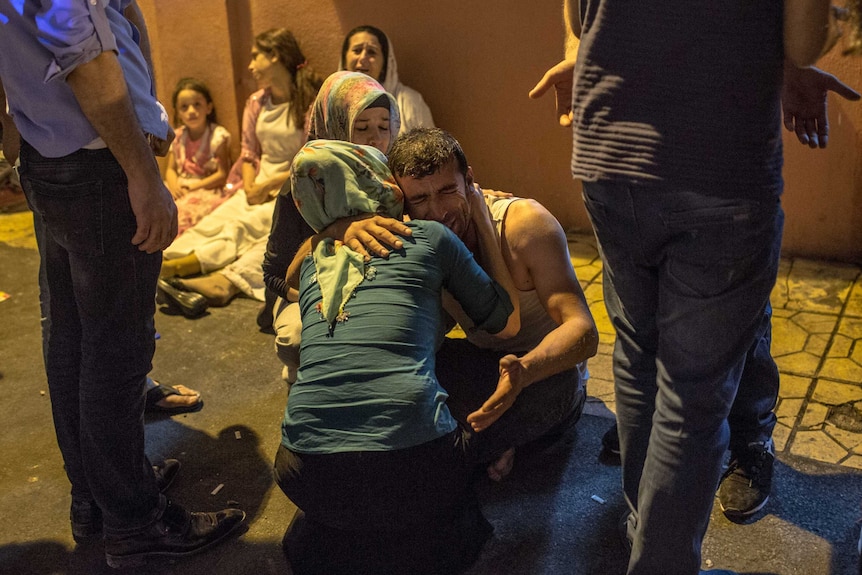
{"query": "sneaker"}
(165, 473)
(611, 440)
(86, 516)
(859, 548)
(746, 484)
(176, 533)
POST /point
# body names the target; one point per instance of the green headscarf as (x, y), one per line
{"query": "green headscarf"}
(331, 180)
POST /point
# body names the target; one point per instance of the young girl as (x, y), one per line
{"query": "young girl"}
(232, 240)
(200, 155)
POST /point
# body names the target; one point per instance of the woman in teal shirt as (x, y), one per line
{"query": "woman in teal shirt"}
(370, 452)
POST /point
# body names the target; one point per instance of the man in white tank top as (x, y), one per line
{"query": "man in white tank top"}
(509, 392)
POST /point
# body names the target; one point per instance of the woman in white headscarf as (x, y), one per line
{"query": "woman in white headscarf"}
(368, 50)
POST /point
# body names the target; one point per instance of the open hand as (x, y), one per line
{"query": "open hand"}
(803, 101)
(561, 78)
(509, 386)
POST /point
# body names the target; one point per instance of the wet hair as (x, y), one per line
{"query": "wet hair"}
(281, 42)
(423, 151)
(384, 46)
(197, 86)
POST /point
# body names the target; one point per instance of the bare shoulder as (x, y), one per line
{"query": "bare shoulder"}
(528, 225)
(536, 249)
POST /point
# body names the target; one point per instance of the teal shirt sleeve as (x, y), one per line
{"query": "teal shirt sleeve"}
(482, 299)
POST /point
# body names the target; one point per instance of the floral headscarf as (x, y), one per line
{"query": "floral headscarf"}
(342, 97)
(331, 180)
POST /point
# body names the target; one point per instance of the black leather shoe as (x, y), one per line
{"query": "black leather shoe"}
(189, 303)
(86, 516)
(611, 440)
(176, 533)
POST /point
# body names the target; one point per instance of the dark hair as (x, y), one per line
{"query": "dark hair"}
(382, 101)
(199, 87)
(384, 45)
(423, 151)
(281, 43)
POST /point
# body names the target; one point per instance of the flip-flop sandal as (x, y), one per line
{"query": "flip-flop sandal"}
(159, 392)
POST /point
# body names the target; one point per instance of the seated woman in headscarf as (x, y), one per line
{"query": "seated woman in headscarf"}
(370, 453)
(368, 50)
(352, 107)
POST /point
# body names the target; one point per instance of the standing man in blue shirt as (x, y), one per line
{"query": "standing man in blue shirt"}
(80, 92)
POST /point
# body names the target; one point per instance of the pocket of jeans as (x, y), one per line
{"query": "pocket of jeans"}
(72, 214)
(713, 248)
(600, 220)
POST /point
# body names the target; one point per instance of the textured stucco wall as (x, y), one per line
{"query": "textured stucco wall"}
(474, 63)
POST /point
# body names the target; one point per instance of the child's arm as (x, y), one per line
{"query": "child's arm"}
(171, 177)
(218, 178)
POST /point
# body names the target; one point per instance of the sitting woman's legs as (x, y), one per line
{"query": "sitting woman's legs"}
(288, 334)
(216, 288)
(181, 267)
(403, 511)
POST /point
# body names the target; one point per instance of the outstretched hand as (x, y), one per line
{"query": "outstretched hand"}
(803, 101)
(561, 78)
(509, 386)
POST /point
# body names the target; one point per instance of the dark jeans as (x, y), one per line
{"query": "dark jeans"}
(469, 375)
(687, 278)
(378, 490)
(409, 511)
(97, 298)
(751, 417)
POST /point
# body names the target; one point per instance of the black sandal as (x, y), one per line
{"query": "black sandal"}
(190, 304)
(159, 392)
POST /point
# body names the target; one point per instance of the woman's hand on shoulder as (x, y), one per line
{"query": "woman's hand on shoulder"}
(369, 234)
(494, 193)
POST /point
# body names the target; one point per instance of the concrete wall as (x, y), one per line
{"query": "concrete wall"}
(474, 63)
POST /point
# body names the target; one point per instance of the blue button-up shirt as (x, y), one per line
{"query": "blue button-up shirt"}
(42, 42)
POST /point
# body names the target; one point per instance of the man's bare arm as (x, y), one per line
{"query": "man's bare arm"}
(538, 246)
(572, 22)
(11, 138)
(536, 240)
(561, 76)
(134, 15)
(100, 89)
(808, 30)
